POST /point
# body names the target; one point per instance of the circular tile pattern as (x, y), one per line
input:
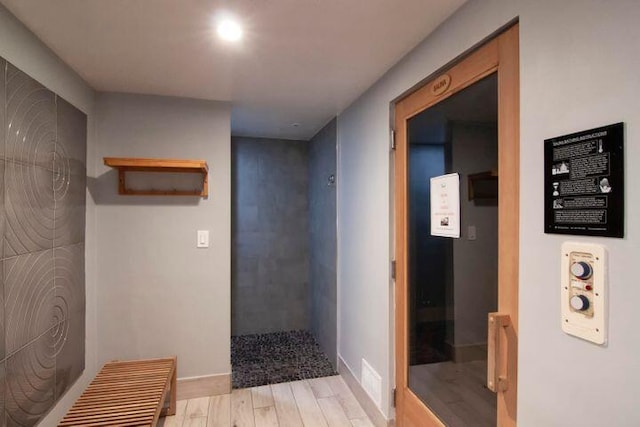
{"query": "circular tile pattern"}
(29, 296)
(29, 208)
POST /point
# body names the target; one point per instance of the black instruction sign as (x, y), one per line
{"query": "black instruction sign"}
(584, 183)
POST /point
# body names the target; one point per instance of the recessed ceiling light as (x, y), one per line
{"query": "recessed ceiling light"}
(229, 29)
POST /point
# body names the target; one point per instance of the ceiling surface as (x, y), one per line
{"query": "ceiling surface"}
(299, 64)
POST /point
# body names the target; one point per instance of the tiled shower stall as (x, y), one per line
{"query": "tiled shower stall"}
(283, 258)
(43, 170)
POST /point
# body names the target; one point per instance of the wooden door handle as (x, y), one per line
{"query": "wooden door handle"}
(497, 380)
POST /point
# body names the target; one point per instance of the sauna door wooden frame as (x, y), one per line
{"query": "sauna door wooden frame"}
(499, 55)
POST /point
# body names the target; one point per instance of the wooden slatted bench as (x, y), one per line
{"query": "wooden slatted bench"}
(130, 393)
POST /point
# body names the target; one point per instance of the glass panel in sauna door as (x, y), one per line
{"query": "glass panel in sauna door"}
(453, 282)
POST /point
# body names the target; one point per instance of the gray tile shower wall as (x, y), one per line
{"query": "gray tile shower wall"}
(42, 224)
(270, 253)
(322, 238)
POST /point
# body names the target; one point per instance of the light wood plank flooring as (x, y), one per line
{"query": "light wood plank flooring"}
(320, 402)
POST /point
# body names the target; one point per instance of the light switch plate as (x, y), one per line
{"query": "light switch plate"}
(471, 232)
(203, 239)
(584, 299)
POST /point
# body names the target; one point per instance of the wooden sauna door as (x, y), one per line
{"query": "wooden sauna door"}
(420, 401)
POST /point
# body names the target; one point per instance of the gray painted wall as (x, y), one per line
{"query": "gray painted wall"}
(579, 69)
(158, 294)
(322, 239)
(270, 246)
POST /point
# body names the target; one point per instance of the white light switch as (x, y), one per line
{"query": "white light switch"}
(471, 232)
(203, 239)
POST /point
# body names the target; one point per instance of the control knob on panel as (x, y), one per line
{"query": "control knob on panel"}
(582, 270)
(580, 302)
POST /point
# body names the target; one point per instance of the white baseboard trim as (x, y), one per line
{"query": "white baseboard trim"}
(370, 408)
(209, 385)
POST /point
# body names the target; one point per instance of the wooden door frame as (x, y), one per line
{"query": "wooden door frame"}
(501, 55)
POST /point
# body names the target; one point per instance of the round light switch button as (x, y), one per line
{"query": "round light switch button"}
(581, 270)
(579, 302)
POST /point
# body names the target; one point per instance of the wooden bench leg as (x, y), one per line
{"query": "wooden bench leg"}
(171, 410)
(172, 397)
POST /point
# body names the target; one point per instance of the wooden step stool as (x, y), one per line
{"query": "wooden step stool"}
(130, 393)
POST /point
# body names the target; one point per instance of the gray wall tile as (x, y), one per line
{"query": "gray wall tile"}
(29, 297)
(30, 120)
(69, 292)
(322, 239)
(270, 250)
(42, 206)
(70, 174)
(30, 382)
(70, 201)
(69, 348)
(3, 106)
(3, 392)
(3, 349)
(29, 208)
(71, 147)
(284, 237)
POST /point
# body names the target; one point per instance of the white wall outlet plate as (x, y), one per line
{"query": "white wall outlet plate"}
(583, 291)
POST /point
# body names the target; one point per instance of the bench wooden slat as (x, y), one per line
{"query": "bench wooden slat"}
(112, 397)
(115, 415)
(138, 374)
(99, 424)
(96, 398)
(125, 364)
(126, 393)
(138, 385)
(134, 420)
(102, 408)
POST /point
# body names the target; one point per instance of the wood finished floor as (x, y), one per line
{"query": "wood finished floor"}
(456, 392)
(319, 402)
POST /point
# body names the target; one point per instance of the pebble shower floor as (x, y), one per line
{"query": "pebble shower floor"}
(277, 357)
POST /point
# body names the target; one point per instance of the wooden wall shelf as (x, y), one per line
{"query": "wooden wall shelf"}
(483, 185)
(128, 164)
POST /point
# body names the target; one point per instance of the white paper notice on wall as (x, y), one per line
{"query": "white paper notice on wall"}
(445, 205)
